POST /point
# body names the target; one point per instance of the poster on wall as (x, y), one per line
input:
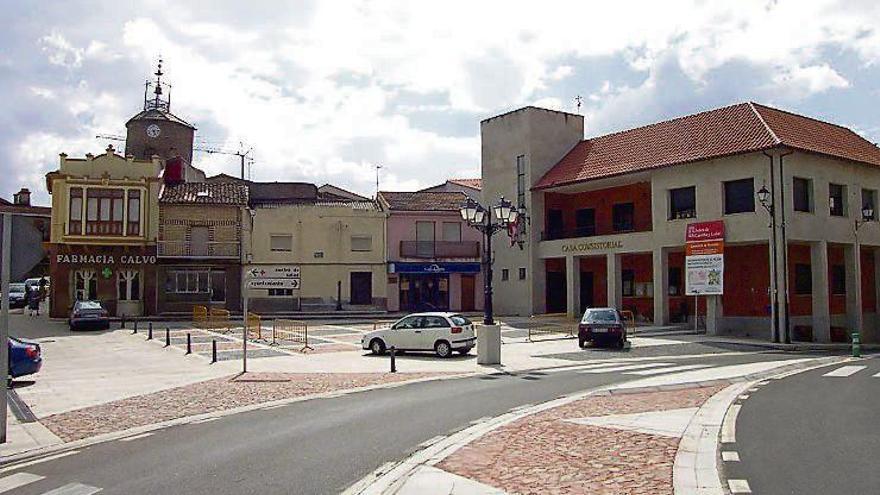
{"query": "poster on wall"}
(704, 275)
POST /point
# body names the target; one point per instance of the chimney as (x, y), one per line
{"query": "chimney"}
(22, 198)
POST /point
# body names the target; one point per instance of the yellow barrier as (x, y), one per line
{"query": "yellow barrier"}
(629, 320)
(218, 318)
(551, 329)
(296, 332)
(200, 316)
(254, 326)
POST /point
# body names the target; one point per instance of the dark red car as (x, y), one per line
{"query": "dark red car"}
(602, 326)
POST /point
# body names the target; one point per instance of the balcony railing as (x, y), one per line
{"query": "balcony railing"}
(439, 249)
(184, 249)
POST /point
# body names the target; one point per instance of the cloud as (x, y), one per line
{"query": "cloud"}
(800, 81)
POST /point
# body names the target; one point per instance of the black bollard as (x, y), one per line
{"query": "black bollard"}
(167, 337)
(189, 348)
(213, 351)
(135, 326)
(393, 363)
(150, 332)
(122, 322)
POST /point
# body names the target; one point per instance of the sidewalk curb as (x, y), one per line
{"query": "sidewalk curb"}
(8, 463)
(389, 478)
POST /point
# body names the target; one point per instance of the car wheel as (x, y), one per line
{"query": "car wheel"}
(582, 343)
(443, 349)
(620, 343)
(377, 347)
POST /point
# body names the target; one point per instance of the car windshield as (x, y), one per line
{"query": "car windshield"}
(16, 287)
(601, 316)
(460, 320)
(89, 305)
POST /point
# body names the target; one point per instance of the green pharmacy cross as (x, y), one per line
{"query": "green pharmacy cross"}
(106, 272)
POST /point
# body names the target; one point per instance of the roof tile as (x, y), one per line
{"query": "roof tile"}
(423, 200)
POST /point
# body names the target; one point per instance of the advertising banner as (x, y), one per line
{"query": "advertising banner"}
(705, 231)
(704, 275)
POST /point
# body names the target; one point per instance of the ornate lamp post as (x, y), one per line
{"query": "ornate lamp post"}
(765, 197)
(505, 214)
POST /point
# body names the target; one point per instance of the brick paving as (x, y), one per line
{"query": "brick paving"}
(209, 396)
(544, 454)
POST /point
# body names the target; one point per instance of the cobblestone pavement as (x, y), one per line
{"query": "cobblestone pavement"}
(546, 453)
(209, 396)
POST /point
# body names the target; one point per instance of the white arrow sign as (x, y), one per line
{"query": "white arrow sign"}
(273, 271)
(273, 283)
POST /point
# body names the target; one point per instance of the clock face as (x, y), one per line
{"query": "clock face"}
(153, 130)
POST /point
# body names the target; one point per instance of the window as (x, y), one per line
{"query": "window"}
(522, 273)
(425, 239)
(452, 231)
(281, 242)
(838, 279)
(435, 322)
(280, 292)
(104, 211)
(837, 200)
(75, 211)
(187, 282)
(683, 203)
(218, 286)
(629, 283)
(739, 196)
(675, 287)
(505, 274)
(361, 243)
(585, 219)
(803, 279)
(521, 181)
(134, 212)
(622, 217)
(802, 192)
(555, 224)
(128, 283)
(409, 322)
(85, 285)
(869, 201)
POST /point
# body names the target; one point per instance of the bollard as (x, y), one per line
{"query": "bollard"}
(135, 326)
(133, 330)
(393, 364)
(150, 332)
(856, 345)
(122, 323)
(189, 348)
(167, 337)
(213, 351)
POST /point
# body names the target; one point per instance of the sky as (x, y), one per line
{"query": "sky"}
(325, 91)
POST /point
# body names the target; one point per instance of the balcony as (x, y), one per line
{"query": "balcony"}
(184, 249)
(439, 249)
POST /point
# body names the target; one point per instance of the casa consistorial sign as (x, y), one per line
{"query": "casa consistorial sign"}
(591, 246)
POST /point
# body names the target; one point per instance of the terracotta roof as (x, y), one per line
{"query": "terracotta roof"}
(281, 192)
(159, 114)
(472, 183)
(205, 193)
(423, 200)
(740, 128)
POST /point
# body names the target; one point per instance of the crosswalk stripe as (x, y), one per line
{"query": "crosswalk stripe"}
(16, 480)
(845, 371)
(74, 489)
(673, 369)
(626, 368)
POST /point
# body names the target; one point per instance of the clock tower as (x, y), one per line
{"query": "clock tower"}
(157, 131)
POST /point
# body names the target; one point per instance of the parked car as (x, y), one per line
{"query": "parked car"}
(25, 357)
(602, 326)
(17, 297)
(34, 283)
(88, 314)
(442, 333)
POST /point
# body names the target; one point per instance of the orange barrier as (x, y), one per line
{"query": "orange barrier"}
(566, 330)
(254, 326)
(218, 318)
(200, 316)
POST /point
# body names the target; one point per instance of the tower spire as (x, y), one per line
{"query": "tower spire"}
(157, 101)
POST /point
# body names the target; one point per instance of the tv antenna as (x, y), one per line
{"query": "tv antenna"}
(378, 167)
(578, 100)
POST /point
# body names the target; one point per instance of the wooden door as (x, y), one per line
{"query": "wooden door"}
(468, 285)
(361, 288)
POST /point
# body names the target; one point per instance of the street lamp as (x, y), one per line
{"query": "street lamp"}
(476, 216)
(765, 197)
(867, 216)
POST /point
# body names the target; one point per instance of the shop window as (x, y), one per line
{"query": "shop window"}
(683, 203)
(521, 181)
(838, 280)
(505, 274)
(585, 220)
(281, 242)
(75, 211)
(280, 292)
(361, 243)
(452, 231)
(134, 212)
(837, 200)
(739, 196)
(522, 273)
(623, 217)
(104, 211)
(85, 284)
(675, 287)
(187, 282)
(803, 279)
(869, 201)
(629, 283)
(128, 284)
(802, 194)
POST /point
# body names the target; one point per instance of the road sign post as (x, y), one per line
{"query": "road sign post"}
(4, 317)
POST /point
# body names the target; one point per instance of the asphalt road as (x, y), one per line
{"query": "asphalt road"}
(317, 446)
(811, 434)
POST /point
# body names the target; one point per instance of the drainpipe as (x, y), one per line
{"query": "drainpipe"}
(786, 301)
(774, 290)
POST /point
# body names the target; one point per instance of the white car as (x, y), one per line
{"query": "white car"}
(442, 333)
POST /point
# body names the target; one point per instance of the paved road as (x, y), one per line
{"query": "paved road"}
(318, 446)
(811, 433)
